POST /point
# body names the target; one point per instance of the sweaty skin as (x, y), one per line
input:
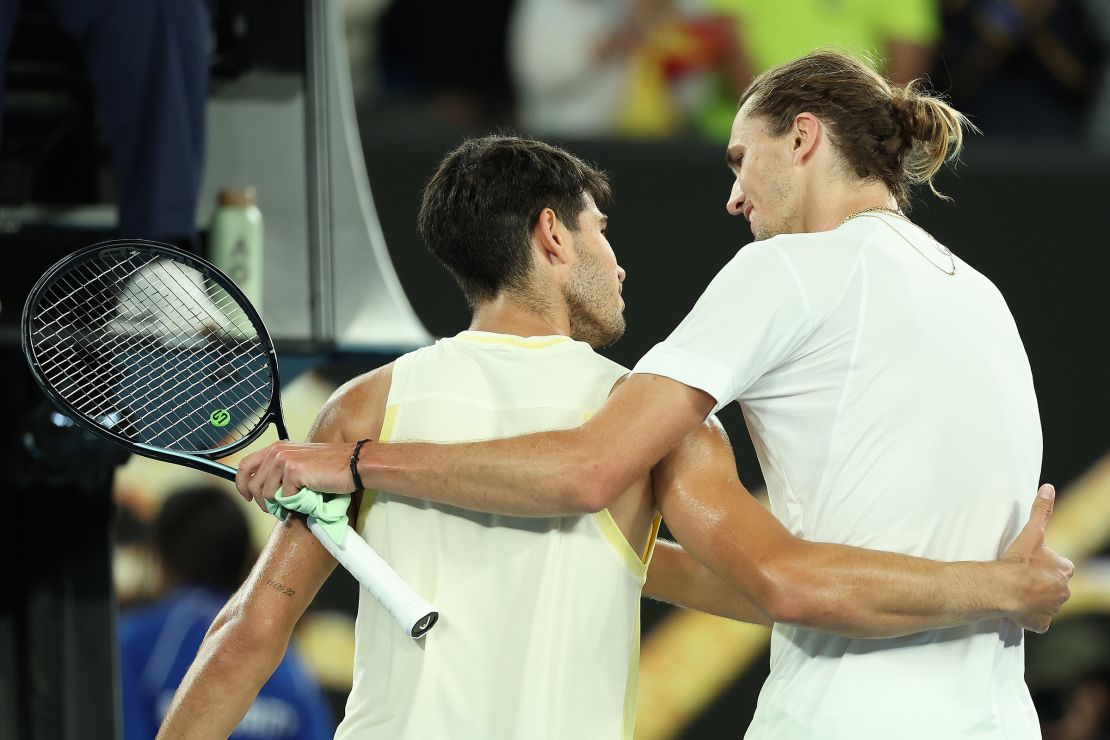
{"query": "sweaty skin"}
(836, 588)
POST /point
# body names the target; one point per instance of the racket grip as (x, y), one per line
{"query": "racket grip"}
(411, 611)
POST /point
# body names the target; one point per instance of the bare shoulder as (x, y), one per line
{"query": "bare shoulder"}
(364, 390)
(356, 409)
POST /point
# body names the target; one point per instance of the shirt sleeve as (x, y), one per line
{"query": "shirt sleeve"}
(753, 316)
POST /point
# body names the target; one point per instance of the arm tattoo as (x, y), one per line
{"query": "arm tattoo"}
(279, 587)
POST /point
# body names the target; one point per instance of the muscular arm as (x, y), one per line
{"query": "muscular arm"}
(677, 578)
(551, 473)
(842, 589)
(834, 588)
(249, 638)
(547, 474)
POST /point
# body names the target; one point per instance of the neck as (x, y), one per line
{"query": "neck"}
(507, 314)
(827, 209)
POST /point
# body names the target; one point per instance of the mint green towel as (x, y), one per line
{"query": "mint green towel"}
(328, 509)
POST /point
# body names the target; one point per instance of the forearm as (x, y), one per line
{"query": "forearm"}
(676, 578)
(571, 471)
(553, 473)
(221, 684)
(862, 593)
(547, 474)
(840, 590)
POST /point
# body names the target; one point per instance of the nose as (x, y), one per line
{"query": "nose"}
(620, 274)
(736, 200)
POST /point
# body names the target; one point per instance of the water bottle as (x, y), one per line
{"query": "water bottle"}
(235, 241)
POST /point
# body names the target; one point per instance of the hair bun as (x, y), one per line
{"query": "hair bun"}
(910, 112)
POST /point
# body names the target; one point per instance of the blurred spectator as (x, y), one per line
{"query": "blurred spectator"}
(668, 73)
(570, 61)
(1069, 675)
(147, 61)
(1020, 68)
(202, 545)
(899, 37)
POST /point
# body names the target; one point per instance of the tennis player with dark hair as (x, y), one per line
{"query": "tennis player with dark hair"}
(539, 632)
(202, 547)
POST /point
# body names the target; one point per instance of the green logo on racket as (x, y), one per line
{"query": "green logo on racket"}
(219, 418)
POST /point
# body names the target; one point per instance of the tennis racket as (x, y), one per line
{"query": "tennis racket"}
(157, 351)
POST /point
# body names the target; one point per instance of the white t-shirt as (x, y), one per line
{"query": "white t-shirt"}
(892, 407)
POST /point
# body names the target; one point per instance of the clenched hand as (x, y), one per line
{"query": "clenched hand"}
(291, 466)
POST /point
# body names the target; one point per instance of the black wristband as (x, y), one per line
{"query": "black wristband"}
(354, 464)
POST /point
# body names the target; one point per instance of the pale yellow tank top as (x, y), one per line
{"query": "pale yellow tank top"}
(540, 618)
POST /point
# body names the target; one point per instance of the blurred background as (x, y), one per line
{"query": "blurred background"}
(132, 117)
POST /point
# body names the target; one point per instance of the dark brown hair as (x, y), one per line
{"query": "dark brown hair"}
(481, 204)
(898, 134)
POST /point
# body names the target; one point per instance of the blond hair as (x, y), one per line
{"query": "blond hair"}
(898, 134)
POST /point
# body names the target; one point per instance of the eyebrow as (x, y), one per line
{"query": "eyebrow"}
(604, 220)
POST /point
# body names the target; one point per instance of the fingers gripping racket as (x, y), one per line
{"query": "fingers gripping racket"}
(159, 352)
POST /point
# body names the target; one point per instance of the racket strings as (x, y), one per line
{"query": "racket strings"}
(69, 371)
(72, 296)
(220, 309)
(169, 416)
(140, 342)
(149, 348)
(150, 344)
(166, 416)
(222, 302)
(88, 336)
(223, 354)
(219, 441)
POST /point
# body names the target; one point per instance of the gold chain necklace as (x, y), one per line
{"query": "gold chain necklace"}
(940, 247)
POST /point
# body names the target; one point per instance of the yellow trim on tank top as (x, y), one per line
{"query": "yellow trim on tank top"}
(514, 341)
(620, 545)
(388, 420)
(653, 536)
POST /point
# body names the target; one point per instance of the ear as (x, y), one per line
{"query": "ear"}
(807, 133)
(550, 238)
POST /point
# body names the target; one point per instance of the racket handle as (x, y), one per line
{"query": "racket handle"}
(411, 611)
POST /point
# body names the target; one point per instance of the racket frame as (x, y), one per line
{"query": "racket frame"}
(204, 461)
(415, 628)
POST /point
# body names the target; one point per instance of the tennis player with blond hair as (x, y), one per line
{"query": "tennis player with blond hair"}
(881, 377)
